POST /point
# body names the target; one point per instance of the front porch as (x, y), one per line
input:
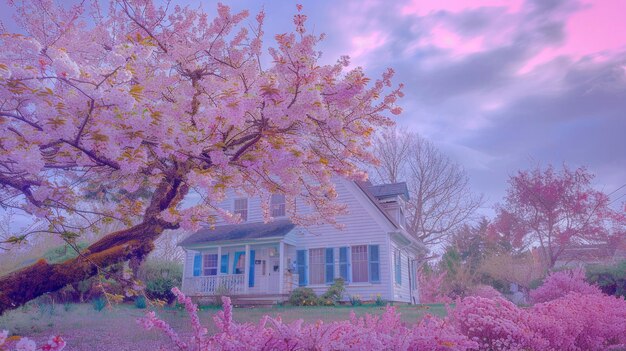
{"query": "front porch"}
(257, 270)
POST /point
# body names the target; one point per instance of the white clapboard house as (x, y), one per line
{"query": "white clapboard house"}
(255, 260)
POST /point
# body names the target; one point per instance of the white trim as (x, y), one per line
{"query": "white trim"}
(391, 286)
(281, 267)
(219, 261)
(268, 240)
(246, 269)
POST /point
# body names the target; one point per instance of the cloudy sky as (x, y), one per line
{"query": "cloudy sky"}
(499, 85)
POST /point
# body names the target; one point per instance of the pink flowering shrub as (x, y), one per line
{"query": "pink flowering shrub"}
(496, 324)
(55, 343)
(575, 322)
(432, 288)
(367, 333)
(580, 322)
(559, 284)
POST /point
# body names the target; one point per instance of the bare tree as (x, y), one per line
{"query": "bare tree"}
(440, 196)
(166, 247)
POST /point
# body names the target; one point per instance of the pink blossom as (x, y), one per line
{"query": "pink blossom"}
(25, 344)
(55, 343)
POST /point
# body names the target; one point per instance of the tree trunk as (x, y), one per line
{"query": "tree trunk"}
(137, 242)
(23, 285)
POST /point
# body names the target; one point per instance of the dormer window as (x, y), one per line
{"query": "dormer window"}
(277, 205)
(241, 208)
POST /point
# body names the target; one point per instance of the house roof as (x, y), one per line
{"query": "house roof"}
(364, 187)
(259, 230)
(592, 252)
(386, 190)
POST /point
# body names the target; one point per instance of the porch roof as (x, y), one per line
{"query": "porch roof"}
(243, 231)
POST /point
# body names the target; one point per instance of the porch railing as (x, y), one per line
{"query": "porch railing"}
(223, 284)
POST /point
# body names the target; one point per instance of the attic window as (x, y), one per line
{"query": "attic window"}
(241, 208)
(277, 205)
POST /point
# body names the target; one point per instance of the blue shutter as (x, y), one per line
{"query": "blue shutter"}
(302, 268)
(197, 265)
(251, 274)
(398, 266)
(237, 255)
(344, 264)
(374, 264)
(330, 266)
(224, 264)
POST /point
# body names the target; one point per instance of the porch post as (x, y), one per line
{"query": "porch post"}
(281, 267)
(219, 261)
(246, 269)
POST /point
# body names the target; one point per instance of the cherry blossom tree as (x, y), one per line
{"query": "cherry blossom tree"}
(556, 210)
(121, 113)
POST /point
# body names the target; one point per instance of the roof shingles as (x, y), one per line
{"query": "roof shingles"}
(231, 232)
(391, 189)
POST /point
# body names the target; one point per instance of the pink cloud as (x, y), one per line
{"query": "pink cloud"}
(441, 37)
(365, 44)
(594, 31)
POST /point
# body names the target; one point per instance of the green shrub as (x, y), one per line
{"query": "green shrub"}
(334, 294)
(610, 278)
(160, 277)
(379, 300)
(99, 303)
(355, 300)
(68, 306)
(303, 297)
(140, 302)
(45, 305)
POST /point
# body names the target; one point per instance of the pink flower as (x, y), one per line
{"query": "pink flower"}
(25, 344)
(56, 343)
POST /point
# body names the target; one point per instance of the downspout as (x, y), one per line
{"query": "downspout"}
(408, 259)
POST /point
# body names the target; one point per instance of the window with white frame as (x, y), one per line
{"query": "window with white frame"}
(316, 266)
(209, 264)
(359, 263)
(241, 208)
(277, 205)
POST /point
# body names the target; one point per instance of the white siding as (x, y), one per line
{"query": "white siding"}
(188, 269)
(363, 225)
(255, 212)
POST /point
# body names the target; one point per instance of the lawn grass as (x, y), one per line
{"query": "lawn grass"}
(116, 329)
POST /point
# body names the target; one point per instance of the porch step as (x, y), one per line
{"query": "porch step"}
(253, 302)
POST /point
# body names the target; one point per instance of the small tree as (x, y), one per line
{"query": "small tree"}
(555, 210)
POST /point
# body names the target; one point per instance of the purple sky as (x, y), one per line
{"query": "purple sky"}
(499, 85)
